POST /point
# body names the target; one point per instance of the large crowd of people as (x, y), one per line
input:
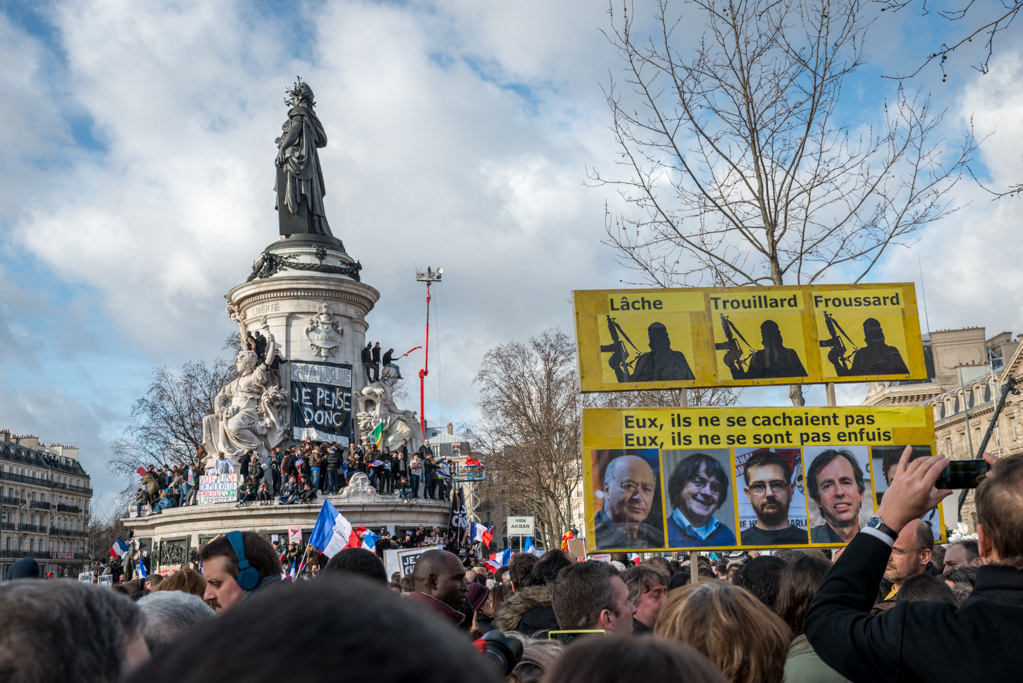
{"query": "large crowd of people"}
(887, 607)
(300, 474)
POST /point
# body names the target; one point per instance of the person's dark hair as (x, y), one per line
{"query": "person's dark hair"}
(546, 570)
(825, 458)
(925, 587)
(970, 546)
(356, 561)
(642, 578)
(582, 592)
(155, 580)
(766, 458)
(924, 536)
(258, 551)
(798, 584)
(965, 575)
(687, 470)
(893, 454)
(351, 623)
(617, 658)
(408, 584)
(520, 568)
(761, 576)
(498, 594)
(63, 630)
(499, 574)
(788, 554)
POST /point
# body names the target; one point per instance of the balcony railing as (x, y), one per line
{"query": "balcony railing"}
(68, 508)
(32, 528)
(9, 526)
(22, 479)
(40, 504)
(8, 500)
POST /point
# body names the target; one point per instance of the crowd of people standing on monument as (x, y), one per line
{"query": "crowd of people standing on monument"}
(301, 473)
(372, 362)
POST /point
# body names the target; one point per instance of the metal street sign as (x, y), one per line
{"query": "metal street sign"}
(521, 526)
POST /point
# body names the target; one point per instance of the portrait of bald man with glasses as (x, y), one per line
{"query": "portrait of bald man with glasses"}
(769, 488)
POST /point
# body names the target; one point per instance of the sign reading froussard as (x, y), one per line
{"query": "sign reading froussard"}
(743, 478)
(634, 339)
(321, 401)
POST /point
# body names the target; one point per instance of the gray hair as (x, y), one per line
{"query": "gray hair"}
(171, 613)
(63, 630)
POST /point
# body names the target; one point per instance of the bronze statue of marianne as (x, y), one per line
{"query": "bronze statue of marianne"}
(299, 184)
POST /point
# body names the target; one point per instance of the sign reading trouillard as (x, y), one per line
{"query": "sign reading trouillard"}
(521, 526)
(321, 401)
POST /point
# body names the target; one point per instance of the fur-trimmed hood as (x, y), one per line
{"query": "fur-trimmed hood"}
(510, 615)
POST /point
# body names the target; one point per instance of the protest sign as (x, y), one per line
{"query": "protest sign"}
(742, 478)
(321, 401)
(635, 339)
(294, 534)
(218, 488)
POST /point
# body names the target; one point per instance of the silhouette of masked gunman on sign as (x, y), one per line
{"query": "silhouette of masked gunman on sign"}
(876, 358)
(662, 363)
(775, 360)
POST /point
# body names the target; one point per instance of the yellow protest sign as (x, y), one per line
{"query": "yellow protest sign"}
(741, 336)
(742, 478)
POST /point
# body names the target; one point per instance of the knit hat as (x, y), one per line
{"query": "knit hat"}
(26, 568)
(477, 595)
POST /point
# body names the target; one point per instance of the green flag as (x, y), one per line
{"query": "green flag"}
(378, 433)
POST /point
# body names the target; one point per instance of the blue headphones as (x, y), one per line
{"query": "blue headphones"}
(248, 578)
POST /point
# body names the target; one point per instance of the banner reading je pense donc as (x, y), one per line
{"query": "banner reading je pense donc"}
(742, 478)
(742, 336)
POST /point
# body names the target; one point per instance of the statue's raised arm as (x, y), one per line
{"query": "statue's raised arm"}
(299, 187)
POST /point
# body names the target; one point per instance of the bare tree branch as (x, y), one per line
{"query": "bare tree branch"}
(734, 168)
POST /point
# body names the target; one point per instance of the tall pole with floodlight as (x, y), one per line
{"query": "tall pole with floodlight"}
(429, 276)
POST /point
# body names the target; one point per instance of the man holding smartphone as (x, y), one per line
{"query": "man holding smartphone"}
(927, 640)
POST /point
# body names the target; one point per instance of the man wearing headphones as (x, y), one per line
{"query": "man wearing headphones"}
(237, 565)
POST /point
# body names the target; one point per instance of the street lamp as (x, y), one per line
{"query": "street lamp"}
(429, 276)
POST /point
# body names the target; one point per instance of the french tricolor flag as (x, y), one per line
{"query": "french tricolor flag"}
(332, 532)
(364, 538)
(481, 534)
(119, 549)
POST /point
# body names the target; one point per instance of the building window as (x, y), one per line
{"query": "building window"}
(1012, 425)
(32, 546)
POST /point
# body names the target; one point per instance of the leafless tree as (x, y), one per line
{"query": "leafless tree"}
(167, 422)
(739, 168)
(530, 426)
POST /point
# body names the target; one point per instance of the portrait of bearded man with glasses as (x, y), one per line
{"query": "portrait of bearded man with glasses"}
(769, 488)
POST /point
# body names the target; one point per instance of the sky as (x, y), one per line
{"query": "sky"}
(136, 187)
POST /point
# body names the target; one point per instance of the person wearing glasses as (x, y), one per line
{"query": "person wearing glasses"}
(629, 489)
(697, 488)
(769, 488)
(911, 553)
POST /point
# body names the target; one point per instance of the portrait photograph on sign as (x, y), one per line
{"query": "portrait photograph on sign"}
(698, 491)
(884, 460)
(837, 482)
(627, 499)
(772, 506)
